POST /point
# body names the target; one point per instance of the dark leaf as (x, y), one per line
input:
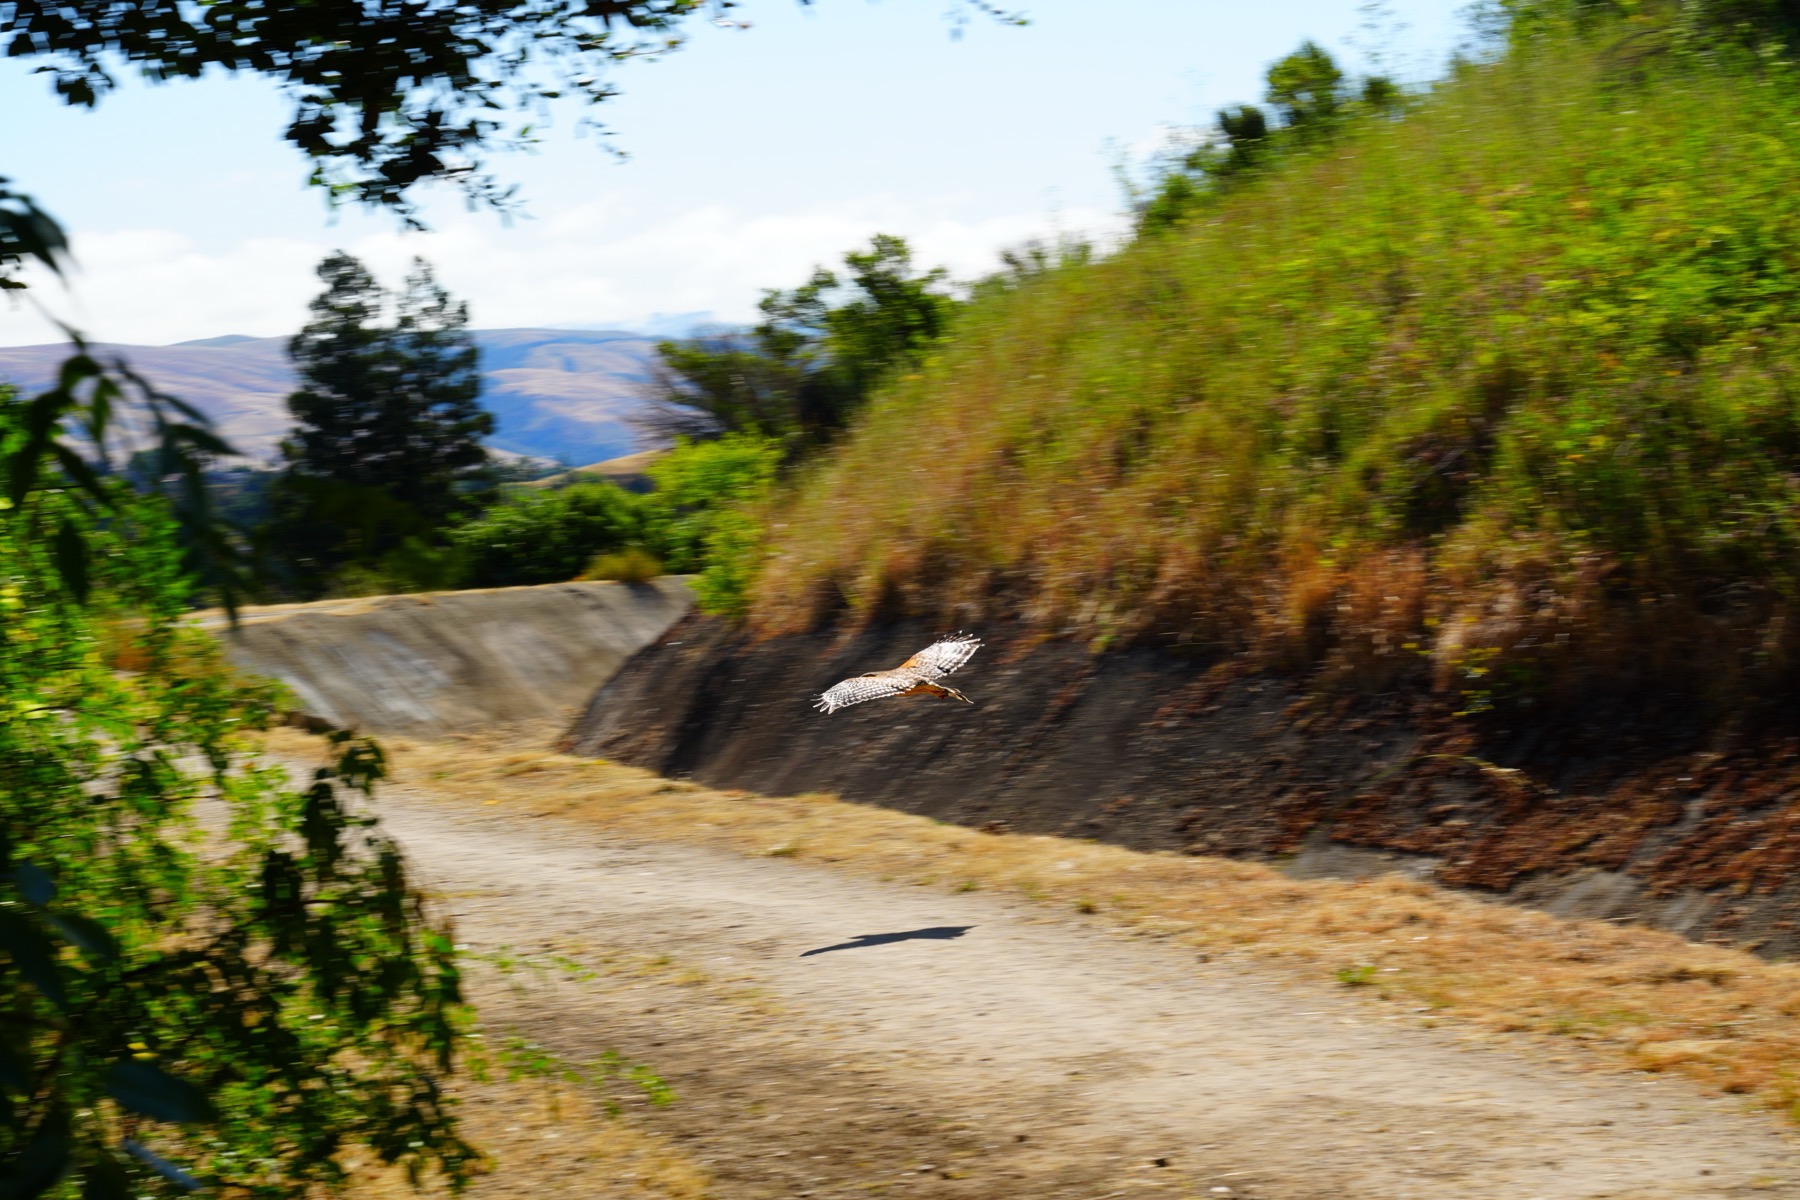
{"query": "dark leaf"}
(33, 954)
(15, 1070)
(22, 471)
(76, 370)
(100, 407)
(27, 231)
(72, 560)
(34, 883)
(201, 438)
(152, 1091)
(80, 473)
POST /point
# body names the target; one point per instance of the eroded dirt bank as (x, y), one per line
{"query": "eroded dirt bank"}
(1612, 817)
(977, 1046)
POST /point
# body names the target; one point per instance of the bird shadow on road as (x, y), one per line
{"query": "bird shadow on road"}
(937, 933)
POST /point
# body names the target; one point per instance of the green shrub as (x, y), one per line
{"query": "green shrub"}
(210, 975)
(704, 515)
(547, 535)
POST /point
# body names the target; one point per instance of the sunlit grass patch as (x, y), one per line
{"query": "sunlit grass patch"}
(549, 1140)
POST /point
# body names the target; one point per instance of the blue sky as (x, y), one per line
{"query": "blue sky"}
(754, 153)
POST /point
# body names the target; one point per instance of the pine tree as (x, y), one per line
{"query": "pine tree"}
(386, 447)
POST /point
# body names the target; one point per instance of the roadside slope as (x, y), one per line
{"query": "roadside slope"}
(997, 1047)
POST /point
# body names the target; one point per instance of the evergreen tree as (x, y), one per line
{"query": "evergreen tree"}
(386, 447)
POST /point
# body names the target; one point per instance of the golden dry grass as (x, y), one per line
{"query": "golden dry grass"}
(552, 1141)
(1606, 995)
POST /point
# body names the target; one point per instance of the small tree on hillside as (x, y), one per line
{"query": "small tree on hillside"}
(387, 441)
(1307, 89)
(1312, 100)
(893, 313)
(817, 354)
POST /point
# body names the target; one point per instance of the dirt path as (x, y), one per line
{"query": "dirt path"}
(996, 1050)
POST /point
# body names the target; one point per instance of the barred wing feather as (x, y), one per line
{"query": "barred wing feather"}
(943, 656)
(857, 689)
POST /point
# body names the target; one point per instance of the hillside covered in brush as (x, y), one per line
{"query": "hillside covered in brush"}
(1498, 385)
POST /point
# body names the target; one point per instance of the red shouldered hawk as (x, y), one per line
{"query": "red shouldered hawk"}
(913, 677)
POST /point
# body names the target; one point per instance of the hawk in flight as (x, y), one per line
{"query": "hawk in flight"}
(916, 676)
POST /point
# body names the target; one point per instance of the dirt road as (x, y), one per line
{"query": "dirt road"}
(829, 1036)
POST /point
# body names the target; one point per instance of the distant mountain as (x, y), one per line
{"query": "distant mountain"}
(555, 393)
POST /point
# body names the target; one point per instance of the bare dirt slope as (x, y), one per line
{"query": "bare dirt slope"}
(830, 1036)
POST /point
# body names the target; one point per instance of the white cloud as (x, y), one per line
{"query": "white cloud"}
(154, 286)
(601, 262)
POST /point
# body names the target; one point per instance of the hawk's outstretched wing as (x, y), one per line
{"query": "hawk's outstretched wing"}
(943, 656)
(855, 690)
(914, 675)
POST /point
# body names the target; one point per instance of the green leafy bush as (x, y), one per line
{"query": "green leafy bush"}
(547, 535)
(704, 513)
(230, 1002)
(701, 518)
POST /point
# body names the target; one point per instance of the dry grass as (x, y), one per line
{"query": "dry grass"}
(551, 1141)
(630, 565)
(1607, 995)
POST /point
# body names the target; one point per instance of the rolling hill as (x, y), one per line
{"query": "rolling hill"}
(554, 393)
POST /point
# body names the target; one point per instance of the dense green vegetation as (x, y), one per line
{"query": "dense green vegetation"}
(706, 495)
(547, 535)
(230, 1012)
(696, 520)
(1507, 386)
